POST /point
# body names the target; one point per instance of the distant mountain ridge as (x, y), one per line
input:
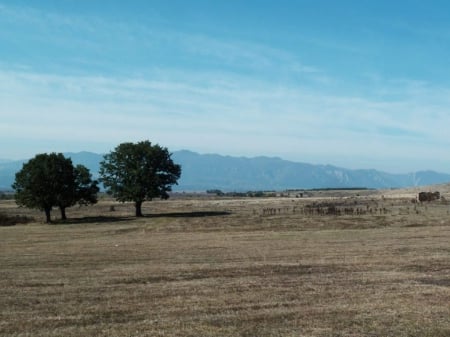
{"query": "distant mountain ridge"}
(201, 172)
(212, 171)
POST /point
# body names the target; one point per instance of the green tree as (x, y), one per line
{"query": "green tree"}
(138, 172)
(81, 189)
(50, 180)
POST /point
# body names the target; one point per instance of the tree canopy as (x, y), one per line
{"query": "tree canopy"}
(139, 172)
(51, 180)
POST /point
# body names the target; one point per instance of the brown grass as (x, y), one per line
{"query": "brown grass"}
(221, 267)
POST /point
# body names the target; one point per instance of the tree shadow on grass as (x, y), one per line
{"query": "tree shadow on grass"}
(198, 214)
(117, 219)
(92, 219)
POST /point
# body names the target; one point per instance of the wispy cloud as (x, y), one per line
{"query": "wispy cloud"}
(80, 40)
(236, 115)
(229, 95)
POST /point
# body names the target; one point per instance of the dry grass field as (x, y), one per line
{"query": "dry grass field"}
(355, 264)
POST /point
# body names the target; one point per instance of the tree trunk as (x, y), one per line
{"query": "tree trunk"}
(47, 214)
(63, 213)
(138, 208)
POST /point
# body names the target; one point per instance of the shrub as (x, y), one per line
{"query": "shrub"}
(6, 220)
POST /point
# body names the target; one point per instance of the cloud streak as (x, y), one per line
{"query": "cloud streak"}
(237, 115)
(208, 94)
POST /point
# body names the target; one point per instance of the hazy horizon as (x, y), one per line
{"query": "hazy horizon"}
(355, 84)
(3, 160)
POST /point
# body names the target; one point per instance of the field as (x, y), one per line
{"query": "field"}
(367, 263)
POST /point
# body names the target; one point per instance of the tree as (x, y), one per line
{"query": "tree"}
(80, 189)
(138, 172)
(50, 180)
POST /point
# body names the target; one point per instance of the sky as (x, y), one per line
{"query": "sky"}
(357, 84)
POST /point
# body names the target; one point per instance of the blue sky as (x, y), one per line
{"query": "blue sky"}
(358, 84)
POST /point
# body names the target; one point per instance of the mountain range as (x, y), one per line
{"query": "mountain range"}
(201, 172)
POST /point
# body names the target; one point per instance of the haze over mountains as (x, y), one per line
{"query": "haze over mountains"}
(201, 172)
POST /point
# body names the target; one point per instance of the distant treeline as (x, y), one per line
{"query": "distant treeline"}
(300, 192)
(248, 194)
(6, 195)
(338, 189)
